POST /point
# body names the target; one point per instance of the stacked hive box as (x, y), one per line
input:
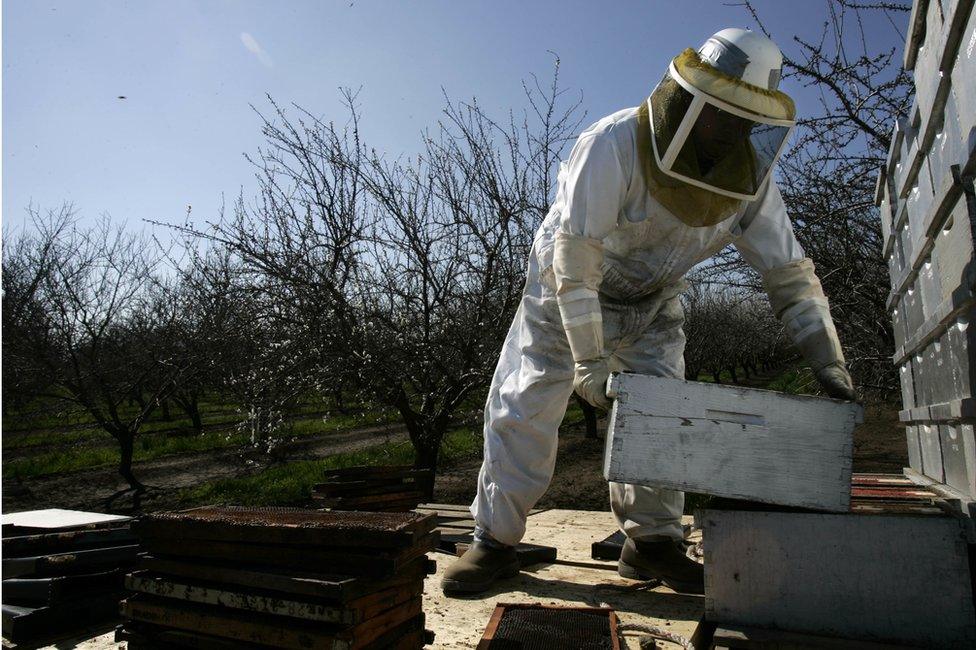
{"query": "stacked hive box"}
(928, 212)
(395, 488)
(63, 571)
(279, 578)
(893, 569)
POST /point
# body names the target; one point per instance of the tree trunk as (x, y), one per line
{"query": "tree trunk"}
(425, 436)
(589, 416)
(339, 400)
(735, 379)
(716, 374)
(126, 446)
(196, 420)
(191, 406)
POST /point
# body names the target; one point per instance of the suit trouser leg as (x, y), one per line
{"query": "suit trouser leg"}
(641, 511)
(526, 404)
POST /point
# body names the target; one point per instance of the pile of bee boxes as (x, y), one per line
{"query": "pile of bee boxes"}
(62, 571)
(279, 578)
(928, 211)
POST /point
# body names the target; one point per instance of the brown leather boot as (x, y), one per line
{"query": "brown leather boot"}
(662, 560)
(478, 568)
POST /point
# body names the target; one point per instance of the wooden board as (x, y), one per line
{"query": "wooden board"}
(53, 519)
(350, 561)
(367, 486)
(336, 588)
(608, 548)
(731, 441)
(527, 554)
(60, 564)
(264, 629)
(138, 636)
(27, 623)
(409, 635)
(754, 638)
(62, 542)
(51, 591)
(293, 526)
(271, 602)
(402, 500)
(903, 579)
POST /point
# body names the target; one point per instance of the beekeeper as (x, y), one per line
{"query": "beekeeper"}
(646, 194)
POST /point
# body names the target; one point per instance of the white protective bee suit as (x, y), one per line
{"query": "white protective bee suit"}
(604, 277)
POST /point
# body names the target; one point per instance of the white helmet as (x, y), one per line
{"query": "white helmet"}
(719, 122)
(745, 55)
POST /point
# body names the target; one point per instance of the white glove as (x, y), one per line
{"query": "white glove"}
(798, 300)
(590, 382)
(836, 381)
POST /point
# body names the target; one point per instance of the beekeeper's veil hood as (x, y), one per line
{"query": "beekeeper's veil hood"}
(716, 125)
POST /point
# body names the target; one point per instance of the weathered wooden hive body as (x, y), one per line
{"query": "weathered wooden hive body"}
(928, 211)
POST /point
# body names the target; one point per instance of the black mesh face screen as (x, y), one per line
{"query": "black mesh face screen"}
(552, 629)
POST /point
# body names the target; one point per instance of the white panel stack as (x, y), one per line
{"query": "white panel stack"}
(892, 578)
(928, 210)
(731, 441)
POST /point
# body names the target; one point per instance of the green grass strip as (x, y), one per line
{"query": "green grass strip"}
(291, 484)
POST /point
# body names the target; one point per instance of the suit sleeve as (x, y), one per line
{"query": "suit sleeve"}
(768, 244)
(592, 192)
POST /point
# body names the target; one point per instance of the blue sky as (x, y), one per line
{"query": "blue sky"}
(190, 69)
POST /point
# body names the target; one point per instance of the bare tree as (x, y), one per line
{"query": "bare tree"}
(394, 280)
(828, 175)
(83, 298)
(282, 269)
(750, 340)
(448, 255)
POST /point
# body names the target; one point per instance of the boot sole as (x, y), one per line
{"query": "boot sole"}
(631, 572)
(449, 586)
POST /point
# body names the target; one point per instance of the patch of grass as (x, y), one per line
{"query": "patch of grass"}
(796, 381)
(95, 434)
(38, 438)
(291, 483)
(460, 444)
(61, 461)
(151, 446)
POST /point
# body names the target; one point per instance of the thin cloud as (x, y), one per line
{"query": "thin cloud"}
(255, 48)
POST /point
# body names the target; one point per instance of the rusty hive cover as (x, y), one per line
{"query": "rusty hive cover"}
(288, 526)
(545, 627)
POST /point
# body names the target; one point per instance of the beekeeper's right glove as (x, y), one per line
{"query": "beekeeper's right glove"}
(576, 265)
(798, 300)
